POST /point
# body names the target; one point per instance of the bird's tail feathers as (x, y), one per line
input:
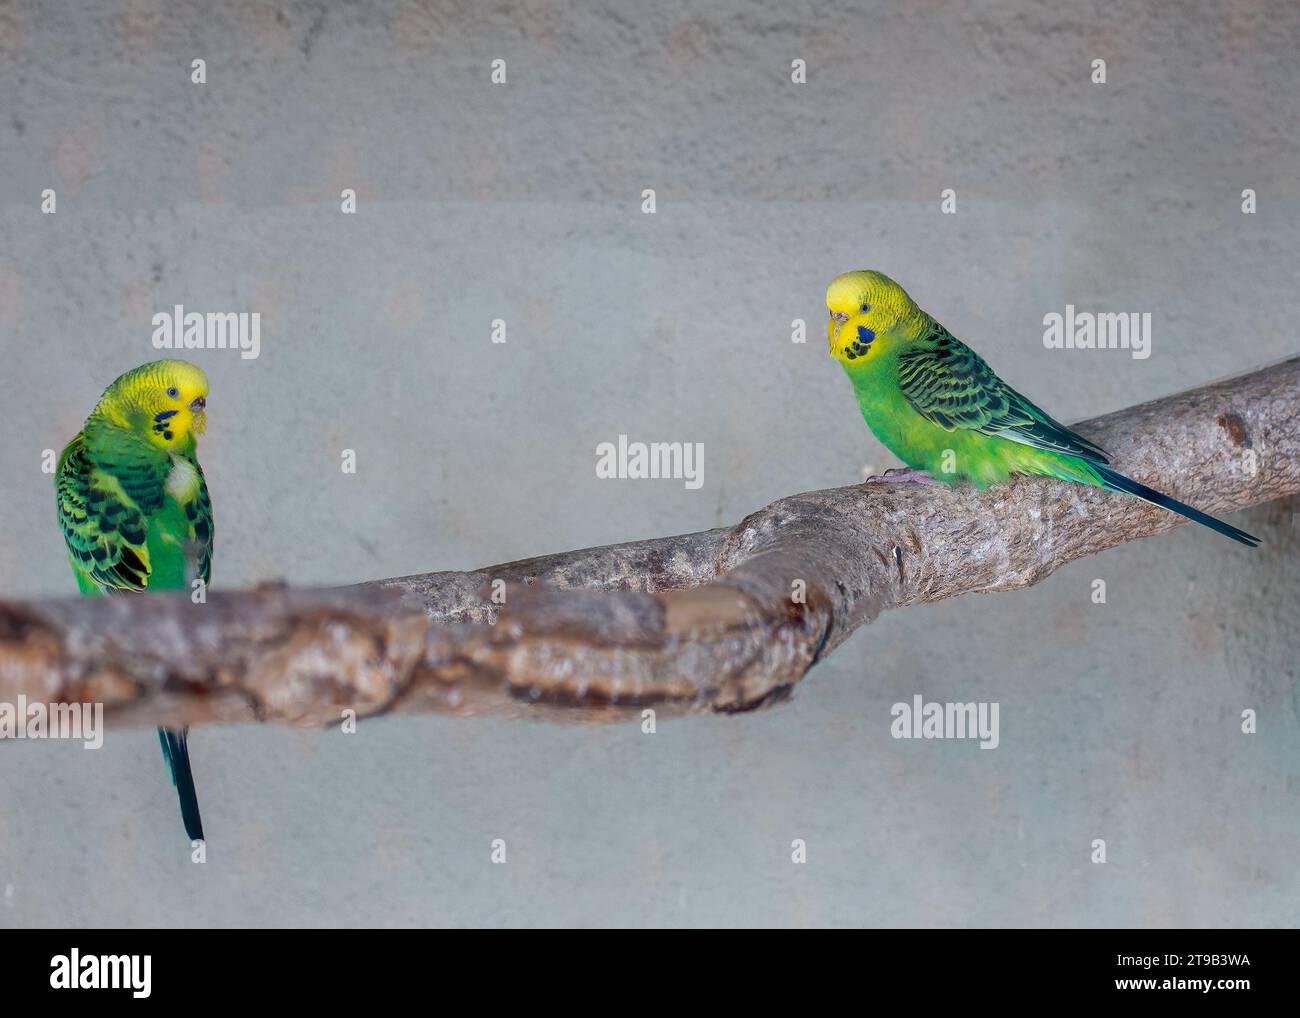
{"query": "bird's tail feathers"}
(176, 752)
(1118, 482)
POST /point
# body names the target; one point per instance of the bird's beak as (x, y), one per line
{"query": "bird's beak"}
(837, 319)
(198, 406)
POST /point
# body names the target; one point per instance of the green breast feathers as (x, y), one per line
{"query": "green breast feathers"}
(134, 518)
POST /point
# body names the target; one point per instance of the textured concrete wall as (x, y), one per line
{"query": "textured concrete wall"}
(522, 202)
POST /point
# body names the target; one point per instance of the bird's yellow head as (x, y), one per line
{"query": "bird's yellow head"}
(866, 308)
(163, 401)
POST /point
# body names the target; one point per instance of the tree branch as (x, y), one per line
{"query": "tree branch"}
(702, 622)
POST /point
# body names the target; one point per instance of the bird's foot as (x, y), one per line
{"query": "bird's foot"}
(900, 475)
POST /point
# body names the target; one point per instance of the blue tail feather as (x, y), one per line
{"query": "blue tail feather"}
(176, 752)
(1118, 482)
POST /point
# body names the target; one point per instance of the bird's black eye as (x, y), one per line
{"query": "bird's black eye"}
(174, 393)
(865, 308)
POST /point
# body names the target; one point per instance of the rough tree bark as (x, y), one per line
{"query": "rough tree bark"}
(704, 622)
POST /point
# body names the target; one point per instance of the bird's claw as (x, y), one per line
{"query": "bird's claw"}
(901, 475)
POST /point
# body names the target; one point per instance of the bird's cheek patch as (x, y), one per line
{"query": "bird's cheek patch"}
(858, 348)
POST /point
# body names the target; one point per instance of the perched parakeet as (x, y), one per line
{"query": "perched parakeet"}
(134, 507)
(941, 410)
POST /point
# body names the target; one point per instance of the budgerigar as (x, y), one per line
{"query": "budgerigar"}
(134, 507)
(941, 410)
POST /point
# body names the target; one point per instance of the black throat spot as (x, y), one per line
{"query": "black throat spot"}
(859, 347)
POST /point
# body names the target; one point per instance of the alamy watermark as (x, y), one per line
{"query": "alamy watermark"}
(921, 720)
(40, 720)
(681, 461)
(1105, 330)
(179, 329)
(75, 971)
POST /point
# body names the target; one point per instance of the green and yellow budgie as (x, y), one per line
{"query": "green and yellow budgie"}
(940, 409)
(134, 507)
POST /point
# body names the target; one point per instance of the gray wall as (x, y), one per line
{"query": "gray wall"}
(1119, 721)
